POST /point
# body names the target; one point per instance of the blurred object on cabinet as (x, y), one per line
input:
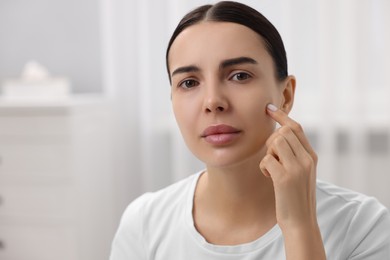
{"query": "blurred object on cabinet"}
(36, 83)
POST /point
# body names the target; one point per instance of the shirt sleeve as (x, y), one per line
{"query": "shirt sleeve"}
(129, 241)
(369, 232)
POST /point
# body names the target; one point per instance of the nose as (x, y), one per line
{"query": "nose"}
(215, 99)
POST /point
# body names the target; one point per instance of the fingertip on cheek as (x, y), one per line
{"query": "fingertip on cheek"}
(271, 107)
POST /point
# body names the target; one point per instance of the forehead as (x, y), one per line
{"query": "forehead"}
(215, 41)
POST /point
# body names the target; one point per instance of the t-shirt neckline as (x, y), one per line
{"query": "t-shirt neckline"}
(258, 244)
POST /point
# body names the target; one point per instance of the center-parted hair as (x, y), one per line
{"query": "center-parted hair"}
(234, 12)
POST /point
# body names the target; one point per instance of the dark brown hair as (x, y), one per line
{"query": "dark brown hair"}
(229, 11)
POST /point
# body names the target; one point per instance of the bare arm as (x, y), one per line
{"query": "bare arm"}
(291, 163)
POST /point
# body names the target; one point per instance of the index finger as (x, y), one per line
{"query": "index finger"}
(284, 120)
(279, 115)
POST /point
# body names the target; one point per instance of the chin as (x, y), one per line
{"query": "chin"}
(228, 158)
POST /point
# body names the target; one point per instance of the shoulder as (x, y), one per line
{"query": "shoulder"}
(356, 223)
(153, 214)
(345, 200)
(160, 202)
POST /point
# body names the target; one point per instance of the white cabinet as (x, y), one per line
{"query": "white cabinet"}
(56, 194)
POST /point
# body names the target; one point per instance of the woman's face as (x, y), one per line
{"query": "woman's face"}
(222, 80)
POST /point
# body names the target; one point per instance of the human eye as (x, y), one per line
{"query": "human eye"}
(188, 83)
(240, 76)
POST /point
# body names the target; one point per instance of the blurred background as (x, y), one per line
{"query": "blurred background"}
(85, 115)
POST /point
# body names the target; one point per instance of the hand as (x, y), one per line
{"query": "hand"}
(291, 163)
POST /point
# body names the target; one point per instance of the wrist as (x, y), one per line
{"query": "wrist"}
(299, 225)
(304, 242)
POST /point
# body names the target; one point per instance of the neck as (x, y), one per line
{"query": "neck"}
(237, 192)
(234, 205)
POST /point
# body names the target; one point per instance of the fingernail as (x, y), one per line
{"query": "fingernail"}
(272, 107)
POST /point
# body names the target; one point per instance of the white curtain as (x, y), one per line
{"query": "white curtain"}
(337, 50)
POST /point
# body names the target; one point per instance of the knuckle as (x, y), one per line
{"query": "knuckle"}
(269, 141)
(261, 165)
(296, 127)
(284, 130)
(266, 159)
(269, 151)
(308, 163)
(279, 140)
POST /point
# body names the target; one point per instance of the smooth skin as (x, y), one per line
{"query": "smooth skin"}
(222, 74)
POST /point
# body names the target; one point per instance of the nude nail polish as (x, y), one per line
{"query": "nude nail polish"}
(272, 107)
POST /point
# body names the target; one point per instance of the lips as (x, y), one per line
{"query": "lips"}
(220, 134)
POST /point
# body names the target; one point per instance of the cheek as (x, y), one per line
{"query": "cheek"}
(255, 112)
(184, 115)
(179, 113)
(254, 104)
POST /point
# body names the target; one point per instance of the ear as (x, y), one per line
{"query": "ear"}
(288, 93)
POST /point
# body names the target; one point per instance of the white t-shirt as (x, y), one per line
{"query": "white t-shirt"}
(160, 226)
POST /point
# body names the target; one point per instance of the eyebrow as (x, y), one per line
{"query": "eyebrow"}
(224, 64)
(237, 61)
(185, 69)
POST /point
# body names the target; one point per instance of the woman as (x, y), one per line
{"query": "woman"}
(258, 197)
